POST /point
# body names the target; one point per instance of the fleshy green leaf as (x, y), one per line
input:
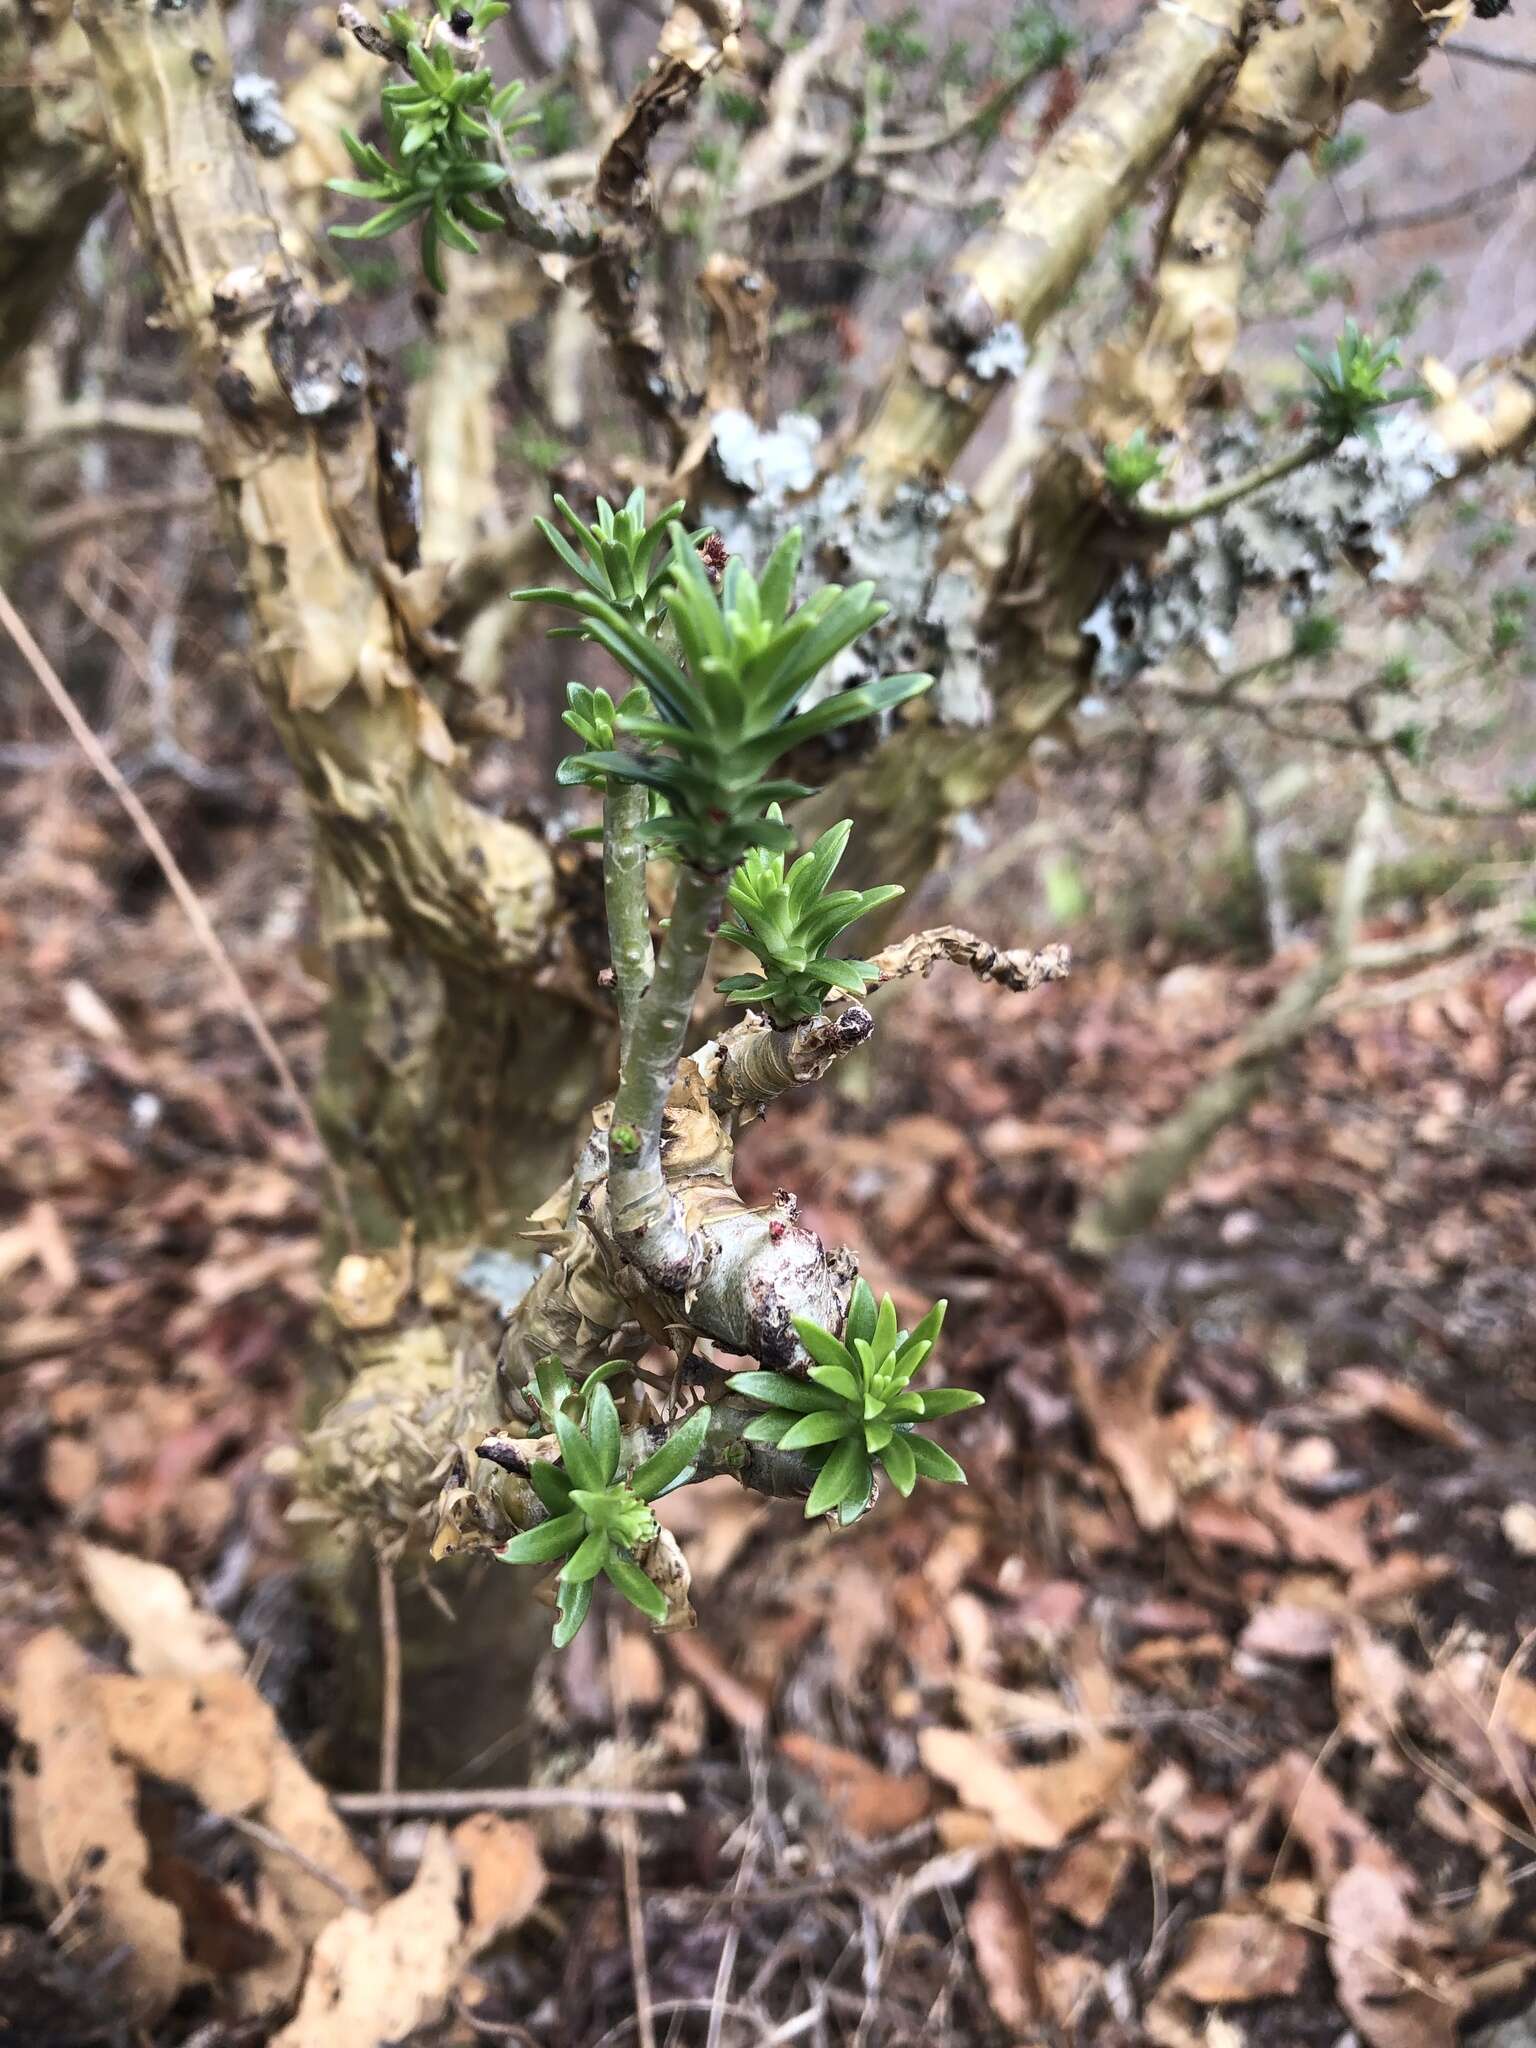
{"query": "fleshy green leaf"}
(581, 1461)
(777, 1390)
(551, 1486)
(934, 1463)
(544, 1542)
(844, 1476)
(900, 1464)
(664, 1467)
(603, 1432)
(821, 1344)
(637, 1589)
(588, 1559)
(824, 1427)
(939, 1401)
(575, 1604)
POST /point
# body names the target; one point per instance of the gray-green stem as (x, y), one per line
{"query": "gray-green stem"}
(1221, 495)
(625, 809)
(646, 1219)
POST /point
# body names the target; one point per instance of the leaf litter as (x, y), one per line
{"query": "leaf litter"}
(1201, 1716)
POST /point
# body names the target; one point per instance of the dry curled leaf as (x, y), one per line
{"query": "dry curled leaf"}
(167, 1631)
(78, 1839)
(1031, 1806)
(375, 1977)
(1233, 1958)
(868, 1801)
(1003, 1938)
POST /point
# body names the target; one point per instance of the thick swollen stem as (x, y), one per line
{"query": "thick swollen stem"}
(1149, 512)
(646, 1218)
(625, 810)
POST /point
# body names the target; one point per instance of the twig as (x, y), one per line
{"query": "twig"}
(1235, 488)
(1018, 971)
(1476, 55)
(1424, 216)
(510, 1799)
(280, 1845)
(191, 905)
(389, 1644)
(105, 416)
(1136, 1195)
(629, 1850)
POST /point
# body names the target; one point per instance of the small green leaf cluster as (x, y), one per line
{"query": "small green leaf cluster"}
(626, 559)
(598, 1518)
(1129, 466)
(552, 1392)
(446, 130)
(1315, 636)
(723, 717)
(1348, 387)
(790, 920)
(856, 1410)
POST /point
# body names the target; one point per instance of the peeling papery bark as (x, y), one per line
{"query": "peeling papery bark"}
(344, 644)
(1290, 93)
(1007, 282)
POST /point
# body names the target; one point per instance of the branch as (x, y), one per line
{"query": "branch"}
(1289, 94)
(690, 48)
(625, 809)
(648, 1221)
(1219, 496)
(1137, 1195)
(1020, 971)
(1009, 281)
(344, 646)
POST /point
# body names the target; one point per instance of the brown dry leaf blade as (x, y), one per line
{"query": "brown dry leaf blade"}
(375, 1977)
(505, 1870)
(1375, 1959)
(1128, 1430)
(167, 1632)
(1003, 1938)
(1231, 1958)
(1032, 1806)
(868, 1801)
(1084, 1883)
(215, 1735)
(81, 1835)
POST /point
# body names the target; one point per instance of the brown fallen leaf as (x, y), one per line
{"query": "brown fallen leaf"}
(1377, 1965)
(78, 1840)
(1003, 1938)
(1084, 1882)
(869, 1802)
(1363, 1390)
(215, 1735)
(377, 1976)
(167, 1632)
(501, 1859)
(1232, 1958)
(739, 1702)
(1289, 1634)
(1031, 1806)
(1131, 1435)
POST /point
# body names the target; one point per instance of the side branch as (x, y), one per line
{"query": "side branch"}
(1008, 281)
(344, 642)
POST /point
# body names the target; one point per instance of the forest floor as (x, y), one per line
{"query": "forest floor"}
(1201, 1717)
